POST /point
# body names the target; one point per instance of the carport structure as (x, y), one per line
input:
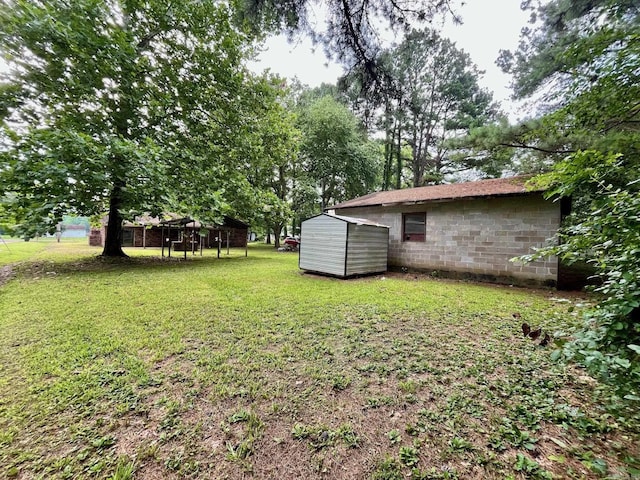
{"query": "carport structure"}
(171, 231)
(192, 235)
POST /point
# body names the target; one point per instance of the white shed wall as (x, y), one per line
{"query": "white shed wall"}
(367, 248)
(323, 242)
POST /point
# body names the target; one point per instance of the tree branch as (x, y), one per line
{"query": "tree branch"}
(537, 149)
(146, 40)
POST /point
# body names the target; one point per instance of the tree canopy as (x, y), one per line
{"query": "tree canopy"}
(273, 168)
(580, 62)
(439, 98)
(429, 96)
(122, 105)
(337, 157)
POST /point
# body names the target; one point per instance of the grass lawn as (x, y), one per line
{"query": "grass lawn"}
(246, 368)
(14, 250)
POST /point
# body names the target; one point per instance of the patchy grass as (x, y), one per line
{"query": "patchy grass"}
(238, 367)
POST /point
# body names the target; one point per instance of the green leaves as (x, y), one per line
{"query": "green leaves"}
(141, 106)
(609, 239)
(432, 97)
(583, 57)
(337, 156)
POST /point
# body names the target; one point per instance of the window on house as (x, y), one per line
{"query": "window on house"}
(414, 227)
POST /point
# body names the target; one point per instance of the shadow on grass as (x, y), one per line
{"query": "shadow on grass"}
(140, 263)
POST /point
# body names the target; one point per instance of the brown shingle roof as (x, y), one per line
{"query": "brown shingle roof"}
(481, 188)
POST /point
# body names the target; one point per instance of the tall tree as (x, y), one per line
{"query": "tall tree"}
(442, 99)
(336, 153)
(117, 104)
(579, 60)
(430, 95)
(351, 30)
(379, 109)
(274, 164)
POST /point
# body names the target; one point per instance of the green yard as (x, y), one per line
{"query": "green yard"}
(246, 368)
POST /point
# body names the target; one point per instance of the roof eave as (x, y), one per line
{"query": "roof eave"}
(438, 200)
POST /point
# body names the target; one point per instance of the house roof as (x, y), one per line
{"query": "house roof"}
(172, 219)
(482, 188)
(356, 221)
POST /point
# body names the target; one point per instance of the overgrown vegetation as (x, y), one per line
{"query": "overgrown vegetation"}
(245, 366)
(608, 343)
(582, 59)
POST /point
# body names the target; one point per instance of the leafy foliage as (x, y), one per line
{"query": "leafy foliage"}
(350, 32)
(273, 163)
(124, 105)
(609, 239)
(336, 154)
(579, 64)
(439, 99)
(430, 96)
(581, 61)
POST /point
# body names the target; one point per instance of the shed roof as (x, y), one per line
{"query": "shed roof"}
(482, 188)
(357, 221)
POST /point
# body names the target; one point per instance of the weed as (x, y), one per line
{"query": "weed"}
(243, 448)
(530, 468)
(174, 462)
(348, 436)
(415, 429)
(147, 451)
(241, 416)
(103, 442)
(239, 451)
(408, 386)
(458, 444)
(394, 437)
(408, 456)
(596, 465)
(387, 469)
(509, 433)
(124, 470)
(340, 382)
(377, 402)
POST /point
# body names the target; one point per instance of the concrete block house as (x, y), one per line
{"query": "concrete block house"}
(466, 230)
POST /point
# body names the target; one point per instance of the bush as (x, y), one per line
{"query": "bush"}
(607, 236)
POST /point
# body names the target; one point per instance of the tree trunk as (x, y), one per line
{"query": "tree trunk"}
(388, 146)
(113, 241)
(276, 234)
(323, 193)
(399, 158)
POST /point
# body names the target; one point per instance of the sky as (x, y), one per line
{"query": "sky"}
(488, 26)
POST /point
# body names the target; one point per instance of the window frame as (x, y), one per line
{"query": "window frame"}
(414, 237)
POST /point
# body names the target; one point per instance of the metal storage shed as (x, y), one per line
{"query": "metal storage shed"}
(343, 246)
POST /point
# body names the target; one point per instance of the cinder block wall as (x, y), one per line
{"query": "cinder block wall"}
(477, 236)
